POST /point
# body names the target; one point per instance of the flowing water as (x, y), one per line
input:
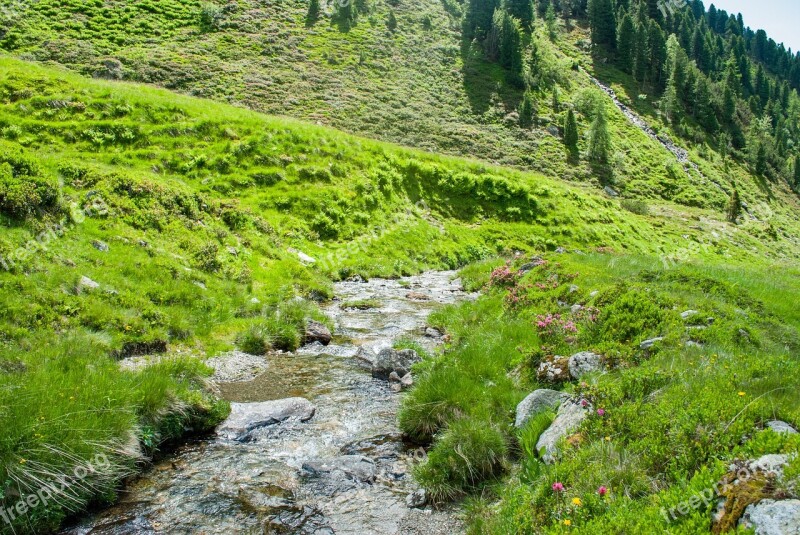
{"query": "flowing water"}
(219, 486)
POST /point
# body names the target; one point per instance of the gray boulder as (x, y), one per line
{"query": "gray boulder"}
(100, 246)
(569, 418)
(391, 360)
(317, 332)
(688, 314)
(87, 284)
(585, 362)
(781, 427)
(245, 417)
(536, 403)
(771, 517)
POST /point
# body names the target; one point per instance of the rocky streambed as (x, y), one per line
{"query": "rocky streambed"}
(312, 444)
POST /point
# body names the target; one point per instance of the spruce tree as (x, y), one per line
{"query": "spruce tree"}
(571, 131)
(626, 43)
(797, 172)
(522, 10)
(599, 138)
(527, 110)
(601, 20)
(391, 22)
(551, 23)
(313, 12)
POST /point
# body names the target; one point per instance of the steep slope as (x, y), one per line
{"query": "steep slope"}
(417, 84)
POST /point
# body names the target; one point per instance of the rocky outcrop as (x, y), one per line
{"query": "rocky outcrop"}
(569, 418)
(317, 332)
(781, 427)
(583, 363)
(536, 403)
(553, 369)
(245, 417)
(773, 517)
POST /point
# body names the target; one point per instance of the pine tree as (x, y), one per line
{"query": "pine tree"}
(734, 206)
(527, 110)
(599, 138)
(626, 43)
(313, 12)
(601, 19)
(571, 131)
(479, 17)
(522, 10)
(551, 23)
(797, 172)
(510, 45)
(391, 22)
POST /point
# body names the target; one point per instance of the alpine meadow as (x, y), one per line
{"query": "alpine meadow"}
(398, 267)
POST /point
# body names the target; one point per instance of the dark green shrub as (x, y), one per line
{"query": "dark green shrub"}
(22, 191)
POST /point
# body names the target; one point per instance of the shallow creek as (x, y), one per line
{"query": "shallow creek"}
(221, 486)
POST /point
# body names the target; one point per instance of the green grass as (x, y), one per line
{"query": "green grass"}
(188, 216)
(203, 208)
(672, 413)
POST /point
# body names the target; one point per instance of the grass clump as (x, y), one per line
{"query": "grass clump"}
(466, 455)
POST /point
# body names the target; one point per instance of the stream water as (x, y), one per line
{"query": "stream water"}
(220, 486)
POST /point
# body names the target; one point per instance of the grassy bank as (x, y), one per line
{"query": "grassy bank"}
(672, 417)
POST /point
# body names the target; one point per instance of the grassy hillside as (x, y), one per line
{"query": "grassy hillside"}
(135, 221)
(139, 222)
(664, 423)
(417, 85)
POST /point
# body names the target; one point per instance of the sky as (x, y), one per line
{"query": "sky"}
(780, 18)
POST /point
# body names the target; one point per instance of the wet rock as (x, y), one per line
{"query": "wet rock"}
(86, 284)
(647, 344)
(417, 296)
(418, 498)
(430, 332)
(569, 418)
(298, 520)
(585, 362)
(402, 383)
(536, 403)
(100, 246)
(245, 417)
(553, 369)
(393, 360)
(773, 517)
(781, 427)
(340, 473)
(379, 447)
(317, 332)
